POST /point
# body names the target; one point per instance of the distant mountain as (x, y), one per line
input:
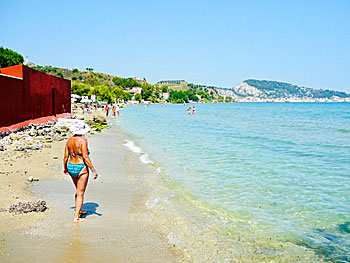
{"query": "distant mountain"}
(269, 90)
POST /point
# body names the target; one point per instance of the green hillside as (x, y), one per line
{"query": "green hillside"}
(277, 89)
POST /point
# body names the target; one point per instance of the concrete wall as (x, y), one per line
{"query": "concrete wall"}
(36, 95)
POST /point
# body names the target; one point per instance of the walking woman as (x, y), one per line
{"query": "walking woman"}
(77, 153)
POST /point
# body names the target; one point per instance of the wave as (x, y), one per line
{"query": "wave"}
(144, 158)
(131, 146)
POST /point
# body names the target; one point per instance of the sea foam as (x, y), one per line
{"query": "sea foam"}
(131, 146)
(145, 159)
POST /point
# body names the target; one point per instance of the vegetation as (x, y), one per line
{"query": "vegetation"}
(281, 90)
(108, 88)
(9, 58)
(182, 96)
(129, 82)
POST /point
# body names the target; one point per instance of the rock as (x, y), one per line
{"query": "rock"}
(99, 119)
(57, 137)
(48, 139)
(47, 145)
(14, 136)
(34, 147)
(19, 148)
(29, 142)
(40, 138)
(46, 130)
(2, 147)
(40, 132)
(26, 207)
(90, 122)
(33, 132)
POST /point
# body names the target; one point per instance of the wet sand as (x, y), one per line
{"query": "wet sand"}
(118, 226)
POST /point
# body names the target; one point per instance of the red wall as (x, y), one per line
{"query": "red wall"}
(11, 101)
(31, 97)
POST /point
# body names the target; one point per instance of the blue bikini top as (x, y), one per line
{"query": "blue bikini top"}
(78, 154)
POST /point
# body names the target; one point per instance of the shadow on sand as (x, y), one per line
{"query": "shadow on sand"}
(90, 207)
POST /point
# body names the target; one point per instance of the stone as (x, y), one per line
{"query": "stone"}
(19, 148)
(40, 132)
(46, 130)
(34, 147)
(33, 132)
(57, 137)
(48, 139)
(29, 141)
(40, 138)
(32, 179)
(99, 119)
(2, 147)
(14, 136)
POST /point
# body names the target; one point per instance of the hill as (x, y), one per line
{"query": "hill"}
(253, 89)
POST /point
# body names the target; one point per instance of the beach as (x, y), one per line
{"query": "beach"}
(232, 183)
(118, 226)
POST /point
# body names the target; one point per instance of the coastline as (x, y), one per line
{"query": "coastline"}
(118, 226)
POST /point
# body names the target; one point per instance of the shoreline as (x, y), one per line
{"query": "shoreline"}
(136, 237)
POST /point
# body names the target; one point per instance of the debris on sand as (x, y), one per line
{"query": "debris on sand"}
(26, 207)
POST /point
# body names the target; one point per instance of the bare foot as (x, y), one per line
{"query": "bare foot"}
(79, 220)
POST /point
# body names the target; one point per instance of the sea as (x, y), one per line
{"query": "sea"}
(247, 182)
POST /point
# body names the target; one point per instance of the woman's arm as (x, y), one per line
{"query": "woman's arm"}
(87, 158)
(65, 159)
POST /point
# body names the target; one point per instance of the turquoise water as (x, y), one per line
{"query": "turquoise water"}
(261, 181)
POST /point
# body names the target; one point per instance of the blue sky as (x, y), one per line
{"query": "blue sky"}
(217, 43)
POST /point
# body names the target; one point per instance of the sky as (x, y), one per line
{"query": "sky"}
(218, 43)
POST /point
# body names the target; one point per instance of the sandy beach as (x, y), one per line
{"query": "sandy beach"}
(118, 226)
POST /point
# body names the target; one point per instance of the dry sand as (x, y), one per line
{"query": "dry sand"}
(118, 227)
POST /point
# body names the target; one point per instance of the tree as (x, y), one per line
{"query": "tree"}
(121, 94)
(80, 89)
(228, 99)
(104, 93)
(9, 58)
(91, 79)
(75, 70)
(178, 96)
(164, 88)
(138, 97)
(129, 82)
(147, 91)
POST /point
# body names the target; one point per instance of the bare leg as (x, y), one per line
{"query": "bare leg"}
(80, 184)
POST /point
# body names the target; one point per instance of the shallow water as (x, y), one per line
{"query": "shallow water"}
(255, 181)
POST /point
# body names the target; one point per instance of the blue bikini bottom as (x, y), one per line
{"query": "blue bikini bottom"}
(74, 169)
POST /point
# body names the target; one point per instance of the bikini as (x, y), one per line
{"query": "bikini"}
(74, 169)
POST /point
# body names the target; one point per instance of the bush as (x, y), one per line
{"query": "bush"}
(60, 74)
(138, 97)
(9, 58)
(75, 70)
(74, 77)
(80, 89)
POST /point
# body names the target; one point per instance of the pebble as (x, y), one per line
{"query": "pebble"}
(31, 179)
